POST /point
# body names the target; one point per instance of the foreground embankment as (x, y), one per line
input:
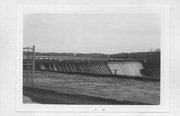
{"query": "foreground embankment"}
(48, 95)
(136, 91)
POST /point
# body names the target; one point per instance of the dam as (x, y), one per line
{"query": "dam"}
(87, 65)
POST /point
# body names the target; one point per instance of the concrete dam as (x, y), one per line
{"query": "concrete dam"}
(87, 65)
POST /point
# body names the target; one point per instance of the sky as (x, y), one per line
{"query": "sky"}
(92, 33)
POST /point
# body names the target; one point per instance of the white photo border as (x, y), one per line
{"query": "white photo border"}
(163, 10)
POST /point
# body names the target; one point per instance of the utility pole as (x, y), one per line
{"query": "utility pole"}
(33, 63)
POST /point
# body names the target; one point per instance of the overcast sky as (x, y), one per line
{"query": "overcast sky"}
(92, 33)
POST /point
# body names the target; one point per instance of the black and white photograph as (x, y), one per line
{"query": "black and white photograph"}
(83, 57)
(100, 59)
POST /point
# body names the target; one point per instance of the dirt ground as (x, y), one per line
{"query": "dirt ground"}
(104, 87)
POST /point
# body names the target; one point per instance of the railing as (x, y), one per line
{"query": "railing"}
(68, 58)
(77, 58)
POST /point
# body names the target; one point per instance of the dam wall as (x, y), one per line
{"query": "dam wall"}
(74, 67)
(88, 65)
(126, 67)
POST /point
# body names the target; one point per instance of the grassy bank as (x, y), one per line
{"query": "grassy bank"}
(100, 87)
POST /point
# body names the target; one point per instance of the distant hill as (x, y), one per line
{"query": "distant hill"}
(151, 60)
(70, 54)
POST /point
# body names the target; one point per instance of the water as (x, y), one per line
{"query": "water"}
(126, 67)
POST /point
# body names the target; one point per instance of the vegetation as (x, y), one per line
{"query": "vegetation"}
(151, 62)
(69, 54)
